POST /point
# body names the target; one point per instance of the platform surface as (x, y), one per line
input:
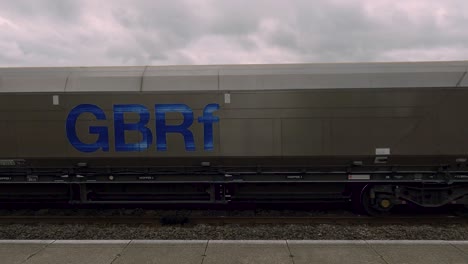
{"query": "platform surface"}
(232, 251)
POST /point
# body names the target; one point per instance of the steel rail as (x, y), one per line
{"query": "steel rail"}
(235, 220)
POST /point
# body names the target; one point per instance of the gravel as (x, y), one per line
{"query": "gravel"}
(236, 232)
(232, 232)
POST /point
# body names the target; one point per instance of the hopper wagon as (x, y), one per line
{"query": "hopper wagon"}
(378, 134)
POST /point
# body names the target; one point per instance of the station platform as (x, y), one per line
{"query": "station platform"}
(232, 251)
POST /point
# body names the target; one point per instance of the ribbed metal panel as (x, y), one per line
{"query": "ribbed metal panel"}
(234, 77)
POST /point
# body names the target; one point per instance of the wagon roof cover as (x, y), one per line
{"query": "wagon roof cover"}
(235, 77)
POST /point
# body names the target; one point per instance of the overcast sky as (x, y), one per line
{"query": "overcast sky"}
(119, 32)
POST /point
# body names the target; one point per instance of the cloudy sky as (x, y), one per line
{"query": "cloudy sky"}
(162, 32)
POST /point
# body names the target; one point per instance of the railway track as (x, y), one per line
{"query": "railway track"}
(226, 220)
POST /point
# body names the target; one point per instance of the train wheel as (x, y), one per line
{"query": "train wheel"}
(375, 206)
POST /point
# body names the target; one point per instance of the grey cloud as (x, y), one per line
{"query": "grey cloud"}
(157, 30)
(348, 33)
(123, 32)
(58, 11)
(172, 20)
(235, 17)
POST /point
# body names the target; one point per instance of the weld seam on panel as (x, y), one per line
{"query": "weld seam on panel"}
(66, 81)
(143, 78)
(461, 79)
(219, 88)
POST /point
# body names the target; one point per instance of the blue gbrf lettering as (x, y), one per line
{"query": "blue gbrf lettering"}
(120, 126)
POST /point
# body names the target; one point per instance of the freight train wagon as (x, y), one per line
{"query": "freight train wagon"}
(381, 134)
